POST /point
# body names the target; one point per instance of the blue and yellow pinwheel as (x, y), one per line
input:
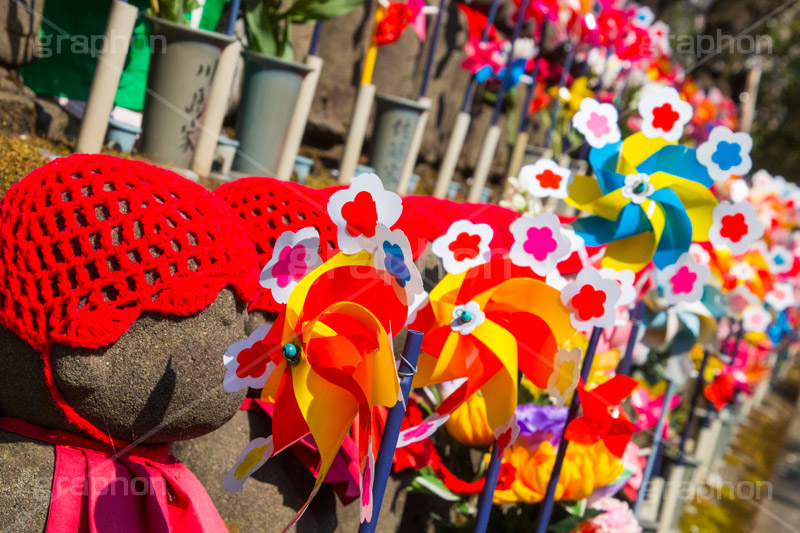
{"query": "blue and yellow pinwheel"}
(650, 200)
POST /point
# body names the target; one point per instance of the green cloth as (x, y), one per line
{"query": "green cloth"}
(71, 38)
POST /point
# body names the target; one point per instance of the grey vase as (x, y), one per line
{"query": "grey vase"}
(182, 65)
(269, 95)
(395, 123)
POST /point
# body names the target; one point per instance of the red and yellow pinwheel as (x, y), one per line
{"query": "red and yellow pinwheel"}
(486, 324)
(326, 360)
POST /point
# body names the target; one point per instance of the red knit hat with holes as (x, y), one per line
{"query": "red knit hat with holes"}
(89, 242)
(267, 207)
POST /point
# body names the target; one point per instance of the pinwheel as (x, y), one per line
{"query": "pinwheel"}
(603, 418)
(327, 360)
(649, 202)
(396, 17)
(678, 328)
(479, 325)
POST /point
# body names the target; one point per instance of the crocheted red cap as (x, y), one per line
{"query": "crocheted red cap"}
(89, 242)
(267, 207)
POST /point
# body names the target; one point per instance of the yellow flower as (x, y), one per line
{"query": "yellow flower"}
(585, 469)
(468, 424)
(713, 366)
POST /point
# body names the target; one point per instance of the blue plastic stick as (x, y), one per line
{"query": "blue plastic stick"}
(501, 93)
(391, 431)
(546, 508)
(312, 50)
(233, 14)
(624, 367)
(437, 29)
(487, 494)
(655, 449)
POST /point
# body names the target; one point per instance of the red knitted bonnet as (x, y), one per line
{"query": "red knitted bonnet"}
(89, 242)
(267, 207)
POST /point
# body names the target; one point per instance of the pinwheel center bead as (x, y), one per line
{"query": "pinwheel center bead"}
(640, 188)
(291, 353)
(465, 316)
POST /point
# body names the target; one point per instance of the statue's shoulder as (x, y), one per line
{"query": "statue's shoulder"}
(26, 468)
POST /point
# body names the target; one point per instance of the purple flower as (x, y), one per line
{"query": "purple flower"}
(539, 423)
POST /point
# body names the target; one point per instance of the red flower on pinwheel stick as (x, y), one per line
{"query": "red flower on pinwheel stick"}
(603, 418)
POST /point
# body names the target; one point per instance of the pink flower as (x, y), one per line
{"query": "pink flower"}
(617, 518)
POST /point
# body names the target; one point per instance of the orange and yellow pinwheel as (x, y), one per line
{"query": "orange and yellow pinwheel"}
(328, 361)
(487, 324)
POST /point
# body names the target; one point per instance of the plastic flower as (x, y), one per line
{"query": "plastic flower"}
(603, 419)
(358, 209)
(616, 517)
(514, 336)
(468, 424)
(735, 226)
(591, 300)
(597, 123)
(756, 319)
(465, 245)
(539, 243)
(585, 468)
(648, 409)
(539, 423)
(625, 279)
(664, 114)
(684, 280)
(546, 178)
(642, 219)
(294, 256)
(726, 153)
(780, 260)
(781, 296)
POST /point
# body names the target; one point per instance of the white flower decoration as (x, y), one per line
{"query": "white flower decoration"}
(700, 254)
(294, 256)
(393, 255)
(755, 319)
(421, 299)
(781, 296)
(367, 480)
(249, 461)
(545, 179)
(684, 280)
(248, 365)
(358, 209)
(659, 37)
(664, 114)
(597, 123)
(566, 373)
(780, 260)
(637, 188)
(505, 435)
(467, 317)
(464, 246)
(425, 429)
(591, 300)
(539, 243)
(644, 16)
(726, 153)
(625, 279)
(740, 298)
(735, 226)
(743, 271)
